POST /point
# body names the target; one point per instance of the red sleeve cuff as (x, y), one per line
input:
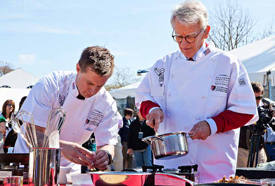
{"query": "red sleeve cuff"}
(146, 106)
(229, 120)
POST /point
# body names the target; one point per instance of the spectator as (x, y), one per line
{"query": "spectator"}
(246, 134)
(22, 101)
(142, 151)
(2, 133)
(12, 136)
(117, 164)
(270, 142)
(124, 132)
(7, 111)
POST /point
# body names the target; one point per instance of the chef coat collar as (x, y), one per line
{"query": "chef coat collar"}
(198, 55)
(73, 88)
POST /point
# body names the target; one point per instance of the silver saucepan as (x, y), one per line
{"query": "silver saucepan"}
(167, 146)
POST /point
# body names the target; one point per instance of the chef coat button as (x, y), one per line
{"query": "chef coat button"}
(169, 94)
(176, 58)
(202, 97)
(172, 75)
(198, 117)
(168, 115)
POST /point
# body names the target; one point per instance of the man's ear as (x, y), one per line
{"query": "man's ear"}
(77, 68)
(206, 32)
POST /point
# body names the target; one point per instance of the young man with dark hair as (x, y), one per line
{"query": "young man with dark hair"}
(89, 109)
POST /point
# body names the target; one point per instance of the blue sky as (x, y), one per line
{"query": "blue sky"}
(41, 36)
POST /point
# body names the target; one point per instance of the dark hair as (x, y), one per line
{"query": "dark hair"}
(98, 59)
(257, 87)
(9, 101)
(22, 101)
(128, 112)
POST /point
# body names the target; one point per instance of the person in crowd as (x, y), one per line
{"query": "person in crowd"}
(89, 109)
(8, 109)
(201, 90)
(141, 150)
(124, 134)
(270, 142)
(246, 134)
(12, 136)
(2, 133)
(117, 164)
(22, 101)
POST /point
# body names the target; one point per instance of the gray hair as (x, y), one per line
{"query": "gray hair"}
(190, 12)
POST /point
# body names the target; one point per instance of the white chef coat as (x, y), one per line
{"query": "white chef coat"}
(189, 92)
(97, 114)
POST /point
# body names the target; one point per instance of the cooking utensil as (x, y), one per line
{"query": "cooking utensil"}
(119, 178)
(147, 179)
(167, 146)
(25, 119)
(44, 165)
(54, 139)
(55, 121)
(16, 125)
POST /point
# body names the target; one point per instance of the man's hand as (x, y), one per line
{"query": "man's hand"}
(100, 160)
(154, 118)
(76, 153)
(130, 152)
(200, 131)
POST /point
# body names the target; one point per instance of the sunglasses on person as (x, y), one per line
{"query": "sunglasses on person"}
(10, 105)
(259, 97)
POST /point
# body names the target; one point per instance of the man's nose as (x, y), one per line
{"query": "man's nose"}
(183, 43)
(93, 90)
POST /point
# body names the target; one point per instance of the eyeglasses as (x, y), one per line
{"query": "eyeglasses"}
(259, 97)
(189, 39)
(10, 105)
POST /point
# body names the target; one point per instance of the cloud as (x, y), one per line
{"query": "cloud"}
(27, 59)
(52, 30)
(45, 62)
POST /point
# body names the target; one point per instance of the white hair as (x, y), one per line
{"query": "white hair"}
(190, 12)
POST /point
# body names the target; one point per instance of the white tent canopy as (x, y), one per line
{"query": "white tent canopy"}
(18, 79)
(258, 58)
(12, 93)
(19, 83)
(126, 91)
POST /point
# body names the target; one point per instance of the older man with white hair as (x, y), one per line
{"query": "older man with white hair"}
(200, 90)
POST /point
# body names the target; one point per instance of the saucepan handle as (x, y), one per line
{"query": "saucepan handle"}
(147, 140)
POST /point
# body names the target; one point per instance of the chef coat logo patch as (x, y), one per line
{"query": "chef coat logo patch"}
(242, 81)
(219, 89)
(222, 80)
(160, 74)
(61, 99)
(207, 51)
(95, 117)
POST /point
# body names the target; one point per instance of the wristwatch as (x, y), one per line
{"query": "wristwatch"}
(109, 156)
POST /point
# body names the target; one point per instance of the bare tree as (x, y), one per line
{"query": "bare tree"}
(122, 76)
(231, 26)
(5, 68)
(269, 30)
